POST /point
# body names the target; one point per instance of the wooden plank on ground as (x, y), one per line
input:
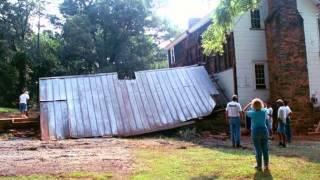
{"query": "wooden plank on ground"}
(314, 133)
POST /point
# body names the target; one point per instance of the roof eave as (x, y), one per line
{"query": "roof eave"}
(194, 28)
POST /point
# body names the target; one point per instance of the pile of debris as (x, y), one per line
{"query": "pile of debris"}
(13, 134)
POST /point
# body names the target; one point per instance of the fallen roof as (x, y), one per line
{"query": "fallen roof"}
(102, 105)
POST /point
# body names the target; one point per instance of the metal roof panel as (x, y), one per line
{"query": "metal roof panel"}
(102, 105)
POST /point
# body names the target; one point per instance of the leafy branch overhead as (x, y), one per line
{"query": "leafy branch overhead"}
(222, 23)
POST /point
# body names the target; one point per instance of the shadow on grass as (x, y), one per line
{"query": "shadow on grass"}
(204, 178)
(263, 175)
(307, 150)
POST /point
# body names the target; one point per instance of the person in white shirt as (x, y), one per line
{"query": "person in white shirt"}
(282, 119)
(23, 99)
(288, 121)
(269, 119)
(233, 116)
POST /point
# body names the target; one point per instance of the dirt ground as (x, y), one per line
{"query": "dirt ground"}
(31, 114)
(30, 156)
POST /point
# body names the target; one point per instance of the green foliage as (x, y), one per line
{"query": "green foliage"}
(97, 36)
(115, 35)
(222, 23)
(8, 110)
(8, 76)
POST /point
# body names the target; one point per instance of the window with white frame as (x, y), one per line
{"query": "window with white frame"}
(260, 76)
(255, 19)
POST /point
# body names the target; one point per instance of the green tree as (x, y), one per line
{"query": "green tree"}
(79, 51)
(47, 63)
(15, 30)
(114, 35)
(8, 76)
(223, 21)
(97, 36)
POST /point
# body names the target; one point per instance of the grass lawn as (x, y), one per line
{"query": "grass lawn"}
(221, 163)
(8, 110)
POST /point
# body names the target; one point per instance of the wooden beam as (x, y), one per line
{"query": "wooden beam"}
(12, 119)
(318, 128)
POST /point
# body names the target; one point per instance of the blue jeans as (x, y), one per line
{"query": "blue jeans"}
(288, 130)
(23, 107)
(281, 127)
(234, 123)
(260, 142)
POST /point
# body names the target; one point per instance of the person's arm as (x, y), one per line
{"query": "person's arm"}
(242, 116)
(226, 117)
(240, 112)
(270, 112)
(290, 112)
(246, 107)
(226, 114)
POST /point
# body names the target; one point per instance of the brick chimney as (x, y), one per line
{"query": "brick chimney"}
(287, 60)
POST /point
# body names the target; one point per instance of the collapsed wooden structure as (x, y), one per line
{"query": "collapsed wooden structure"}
(102, 105)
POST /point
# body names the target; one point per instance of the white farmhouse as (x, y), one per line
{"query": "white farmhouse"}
(273, 52)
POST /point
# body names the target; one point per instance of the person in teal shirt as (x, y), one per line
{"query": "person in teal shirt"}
(259, 132)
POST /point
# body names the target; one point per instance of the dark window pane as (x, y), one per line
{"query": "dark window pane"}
(255, 19)
(260, 76)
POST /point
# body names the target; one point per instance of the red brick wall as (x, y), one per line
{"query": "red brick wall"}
(287, 60)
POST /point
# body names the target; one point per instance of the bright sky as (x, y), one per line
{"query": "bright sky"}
(180, 11)
(176, 11)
